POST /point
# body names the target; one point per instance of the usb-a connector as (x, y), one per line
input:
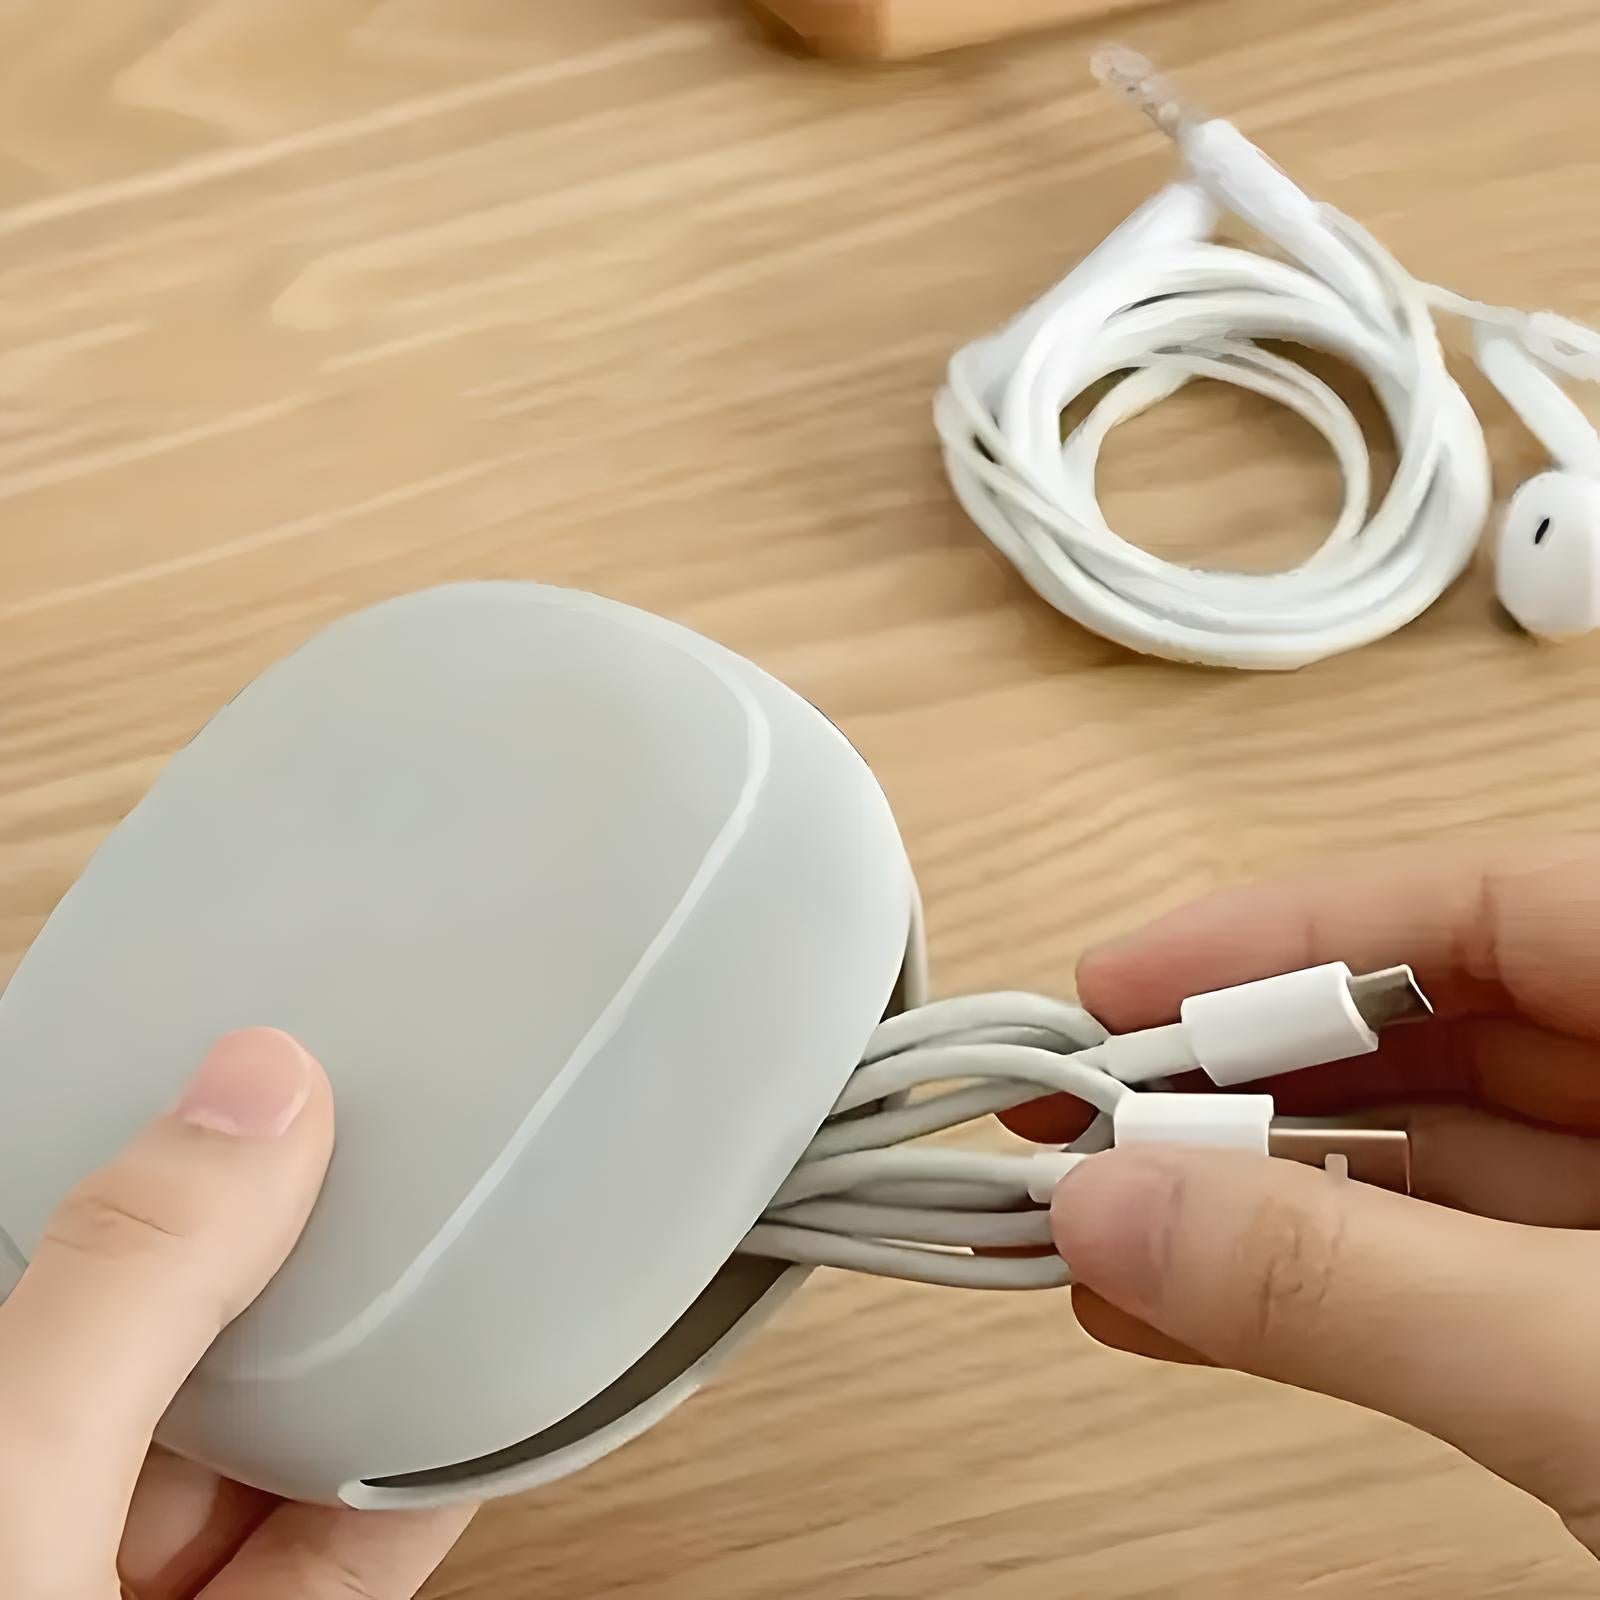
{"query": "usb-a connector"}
(1244, 1122)
(1379, 1156)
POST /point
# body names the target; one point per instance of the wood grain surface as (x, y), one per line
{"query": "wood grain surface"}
(308, 303)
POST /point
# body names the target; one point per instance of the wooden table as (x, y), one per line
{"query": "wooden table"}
(305, 304)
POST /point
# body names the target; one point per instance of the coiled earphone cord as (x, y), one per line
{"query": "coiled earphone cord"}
(1161, 304)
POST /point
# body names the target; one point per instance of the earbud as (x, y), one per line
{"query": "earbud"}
(1547, 565)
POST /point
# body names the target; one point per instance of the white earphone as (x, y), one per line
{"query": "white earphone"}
(1547, 559)
(1160, 303)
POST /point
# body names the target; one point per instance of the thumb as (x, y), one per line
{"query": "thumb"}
(145, 1263)
(1479, 1332)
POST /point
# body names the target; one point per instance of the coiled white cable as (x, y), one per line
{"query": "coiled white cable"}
(1162, 305)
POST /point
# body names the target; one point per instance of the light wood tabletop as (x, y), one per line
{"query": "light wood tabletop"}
(310, 303)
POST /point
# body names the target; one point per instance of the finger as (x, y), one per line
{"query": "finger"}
(1477, 1331)
(184, 1525)
(1459, 1157)
(318, 1553)
(144, 1264)
(1505, 1170)
(1111, 1326)
(1500, 1062)
(1488, 932)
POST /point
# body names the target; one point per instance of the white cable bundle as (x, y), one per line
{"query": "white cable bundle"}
(865, 1199)
(1163, 305)
(869, 1198)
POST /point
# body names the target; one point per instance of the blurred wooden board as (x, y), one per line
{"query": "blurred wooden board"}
(304, 304)
(887, 29)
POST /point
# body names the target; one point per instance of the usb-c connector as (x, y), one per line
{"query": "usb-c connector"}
(1272, 1026)
(1387, 997)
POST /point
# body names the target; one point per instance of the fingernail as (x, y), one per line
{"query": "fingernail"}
(252, 1085)
(1112, 1223)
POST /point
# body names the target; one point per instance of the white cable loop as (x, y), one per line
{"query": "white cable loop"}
(781, 1243)
(921, 1225)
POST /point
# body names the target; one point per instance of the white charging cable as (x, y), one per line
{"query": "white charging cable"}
(1161, 304)
(869, 1197)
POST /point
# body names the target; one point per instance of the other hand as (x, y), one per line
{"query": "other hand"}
(1471, 1311)
(138, 1272)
